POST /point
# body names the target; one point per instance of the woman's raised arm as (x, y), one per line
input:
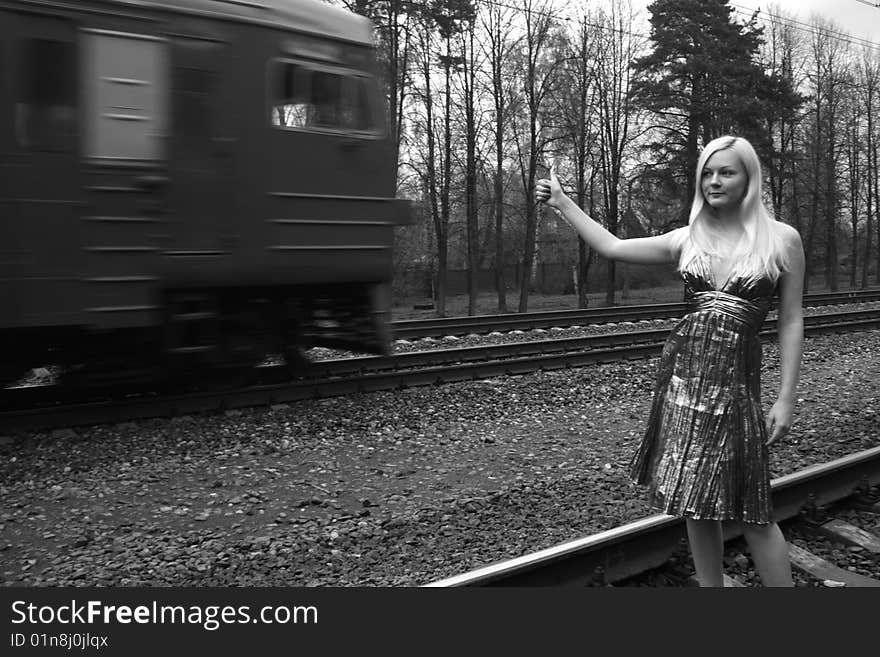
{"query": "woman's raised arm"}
(643, 250)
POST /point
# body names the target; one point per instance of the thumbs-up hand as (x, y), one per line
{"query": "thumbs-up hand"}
(548, 190)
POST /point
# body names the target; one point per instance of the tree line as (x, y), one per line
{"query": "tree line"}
(485, 95)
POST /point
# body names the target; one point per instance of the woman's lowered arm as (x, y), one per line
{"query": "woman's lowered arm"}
(790, 331)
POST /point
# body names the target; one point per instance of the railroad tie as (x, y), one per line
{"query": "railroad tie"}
(729, 582)
(826, 571)
(847, 533)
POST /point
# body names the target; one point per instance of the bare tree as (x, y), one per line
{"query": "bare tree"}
(449, 16)
(614, 93)
(852, 148)
(439, 220)
(537, 81)
(497, 23)
(869, 74)
(472, 126)
(829, 82)
(393, 22)
(782, 54)
(822, 148)
(578, 113)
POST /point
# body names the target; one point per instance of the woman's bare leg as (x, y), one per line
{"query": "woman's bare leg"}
(707, 549)
(770, 553)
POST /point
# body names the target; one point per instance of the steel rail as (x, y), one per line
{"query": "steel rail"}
(429, 357)
(417, 369)
(435, 327)
(648, 543)
(491, 360)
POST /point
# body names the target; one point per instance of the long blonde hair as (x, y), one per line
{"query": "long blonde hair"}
(760, 251)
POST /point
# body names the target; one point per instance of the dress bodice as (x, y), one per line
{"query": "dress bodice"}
(747, 299)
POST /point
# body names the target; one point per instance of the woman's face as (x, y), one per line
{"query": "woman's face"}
(724, 180)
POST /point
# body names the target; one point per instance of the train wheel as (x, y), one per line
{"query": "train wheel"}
(11, 375)
(296, 360)
(116, 375)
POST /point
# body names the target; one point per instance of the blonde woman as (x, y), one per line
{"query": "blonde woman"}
(704, 454)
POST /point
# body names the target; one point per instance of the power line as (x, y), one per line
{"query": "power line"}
(546, 14)
(875, 5)
(806, 27)
(855, 41)
(784, 20)
(793, 23)
(738, 9)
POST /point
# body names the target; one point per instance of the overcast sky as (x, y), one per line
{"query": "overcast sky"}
(852, 16)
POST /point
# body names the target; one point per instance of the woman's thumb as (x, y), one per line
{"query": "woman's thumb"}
(553, 173)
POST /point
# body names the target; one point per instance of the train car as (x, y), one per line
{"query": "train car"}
(190, 184)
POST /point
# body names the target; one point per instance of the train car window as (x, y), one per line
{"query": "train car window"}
(5, 100)
(193, 111)
(357, 112)
(126, 99)
(45, 114)
(313, 97)
(194, 89)
(292, 105)
(326, 99)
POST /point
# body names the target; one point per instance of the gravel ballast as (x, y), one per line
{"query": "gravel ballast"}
(391, 488)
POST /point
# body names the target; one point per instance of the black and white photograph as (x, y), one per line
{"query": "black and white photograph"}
(430, 294)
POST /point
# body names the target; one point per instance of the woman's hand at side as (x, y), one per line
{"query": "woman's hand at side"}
(779, 420)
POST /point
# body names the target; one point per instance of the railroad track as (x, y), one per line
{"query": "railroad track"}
(435, 327)
(633, 549)
(38, 408)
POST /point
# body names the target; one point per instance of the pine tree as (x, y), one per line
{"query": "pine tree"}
(702, 80)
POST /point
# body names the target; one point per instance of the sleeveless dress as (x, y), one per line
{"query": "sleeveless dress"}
(704, 454)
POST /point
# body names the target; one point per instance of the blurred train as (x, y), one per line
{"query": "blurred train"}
(189, 185)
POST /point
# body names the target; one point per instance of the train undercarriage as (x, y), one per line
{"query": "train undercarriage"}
(209, 336)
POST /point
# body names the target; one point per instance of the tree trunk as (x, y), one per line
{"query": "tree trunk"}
(528, 257)
(585, 256)
(393, 66)
(871, 173)
(854, 176)
(537, 82)
(499, 234)
(445, 189)
(494, 24)
(877, 205)
(831, 256)
(815, 189)
(471, 174)
(439, 219)
(691, 157)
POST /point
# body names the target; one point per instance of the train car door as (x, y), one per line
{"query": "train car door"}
(39, 170)
(201, 195)
(124, 146)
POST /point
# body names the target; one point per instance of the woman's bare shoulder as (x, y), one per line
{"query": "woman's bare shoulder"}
(677, 235)
(790, 236)
(791, 259)
(677, 238)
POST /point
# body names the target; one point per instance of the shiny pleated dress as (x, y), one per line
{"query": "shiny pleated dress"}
(704, 453)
